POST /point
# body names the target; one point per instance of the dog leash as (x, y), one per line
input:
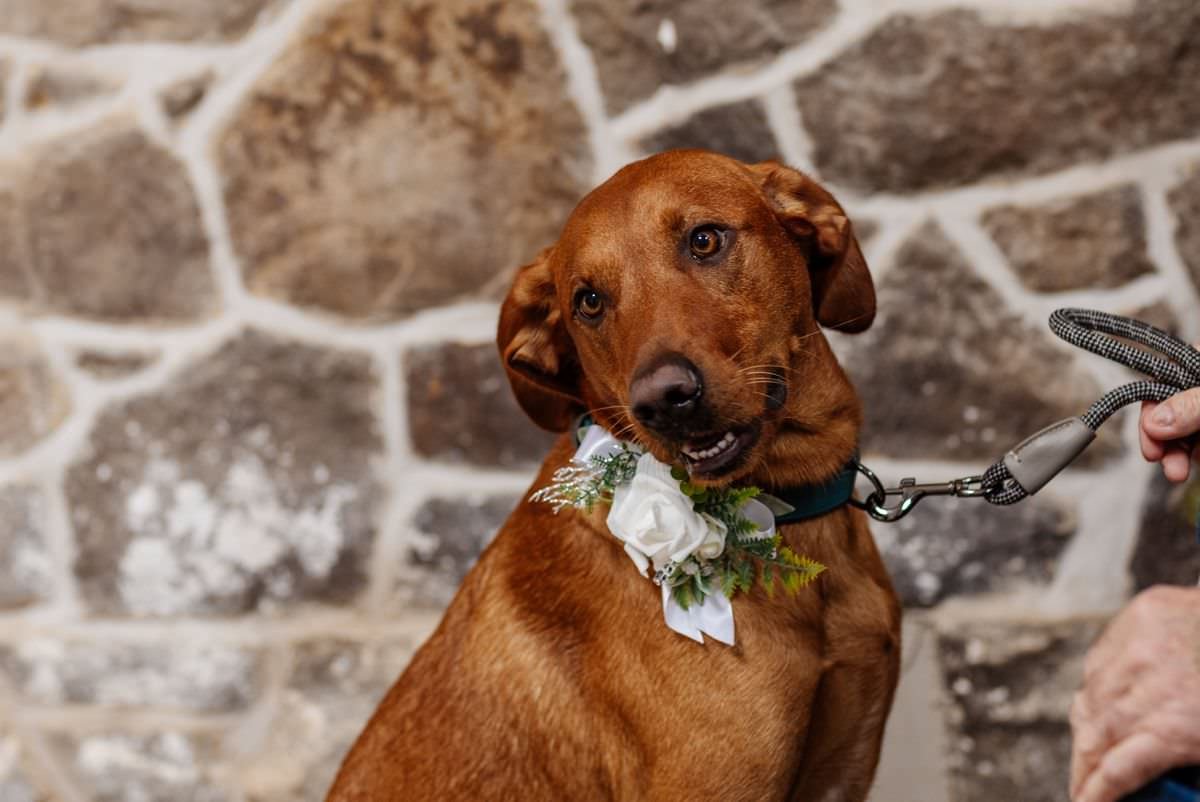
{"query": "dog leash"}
(1171, 364)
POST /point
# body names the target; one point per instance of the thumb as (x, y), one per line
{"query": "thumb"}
(1178, 416)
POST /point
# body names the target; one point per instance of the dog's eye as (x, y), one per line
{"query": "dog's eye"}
(704, 242)
(589, 304)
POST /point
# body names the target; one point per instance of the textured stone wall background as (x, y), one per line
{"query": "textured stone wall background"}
(252, 430)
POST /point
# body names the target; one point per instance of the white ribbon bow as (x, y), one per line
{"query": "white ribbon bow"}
(714, 615)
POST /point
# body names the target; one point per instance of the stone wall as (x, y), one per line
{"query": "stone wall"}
(253, 432)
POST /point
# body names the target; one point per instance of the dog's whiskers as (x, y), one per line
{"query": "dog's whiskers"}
(622, 407)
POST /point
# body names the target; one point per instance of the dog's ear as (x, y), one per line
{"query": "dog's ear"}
(537, 352)
(843, 293)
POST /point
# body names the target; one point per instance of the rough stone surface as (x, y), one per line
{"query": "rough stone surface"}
(90, 22)
(50, 86)
(1167, 551)
(949, 98)
(247, 483)
(1092, 241)
(334, 688)
(739, 130)
(639, 44)
(121, 767)
(454, 532)
(958, 547)
(948, 371)
(403, 155)
(1009, 687)
(25, 567)
(181, 97)
(461, 408)
(15, 782)
(190, 676)
(113, 365)
(33, 401)
(114, 232)
(1184, 199)
(15, 281)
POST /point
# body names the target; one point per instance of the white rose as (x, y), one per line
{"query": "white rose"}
(655, 519)
(714, 542)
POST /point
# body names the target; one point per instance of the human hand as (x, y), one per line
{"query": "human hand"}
(1164, 429)
(1138, 713)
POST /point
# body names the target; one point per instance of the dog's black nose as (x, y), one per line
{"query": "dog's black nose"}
(666, 393)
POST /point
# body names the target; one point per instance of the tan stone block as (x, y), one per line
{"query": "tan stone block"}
(739, 130)
(26, 571)
(188, 677)
(33, 400)
(112, 231)
(335, 686)
(247, 483)
(1008, 688)
(639, 44)
(403, 155)
(90, 22)
(1085, 242)
(461, 409)
(1184, 199)
(951, 98)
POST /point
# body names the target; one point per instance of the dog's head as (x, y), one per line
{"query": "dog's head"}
(682, 306)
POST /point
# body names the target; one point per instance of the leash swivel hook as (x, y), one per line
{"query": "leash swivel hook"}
(910, 493)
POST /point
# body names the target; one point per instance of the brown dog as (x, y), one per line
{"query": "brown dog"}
(681, 302)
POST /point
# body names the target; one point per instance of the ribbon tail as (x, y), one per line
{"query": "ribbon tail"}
(678, 618)
(714, 617)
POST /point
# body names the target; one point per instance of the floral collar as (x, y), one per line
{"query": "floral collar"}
(700, 545)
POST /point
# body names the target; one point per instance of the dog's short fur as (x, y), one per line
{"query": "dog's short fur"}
(552, 675)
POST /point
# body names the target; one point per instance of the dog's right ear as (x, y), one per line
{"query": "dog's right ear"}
(843, 293)
(537, 352)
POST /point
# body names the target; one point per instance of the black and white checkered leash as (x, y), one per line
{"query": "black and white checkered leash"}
(1171, 364)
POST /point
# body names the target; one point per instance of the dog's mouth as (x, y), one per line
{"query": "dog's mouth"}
(713, 455)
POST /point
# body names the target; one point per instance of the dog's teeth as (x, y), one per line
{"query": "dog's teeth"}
(723, 444)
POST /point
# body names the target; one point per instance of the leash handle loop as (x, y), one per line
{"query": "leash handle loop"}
(1171, 364)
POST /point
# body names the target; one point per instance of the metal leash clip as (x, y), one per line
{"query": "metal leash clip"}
(911, 492)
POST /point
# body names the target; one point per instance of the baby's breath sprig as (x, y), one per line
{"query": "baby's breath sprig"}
(585, 486)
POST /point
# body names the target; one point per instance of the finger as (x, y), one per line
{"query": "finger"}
(1088, 742)
(1178, 416)
(1129, 765)
(1112, 716)
(1176, 463)
(1152, 449)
